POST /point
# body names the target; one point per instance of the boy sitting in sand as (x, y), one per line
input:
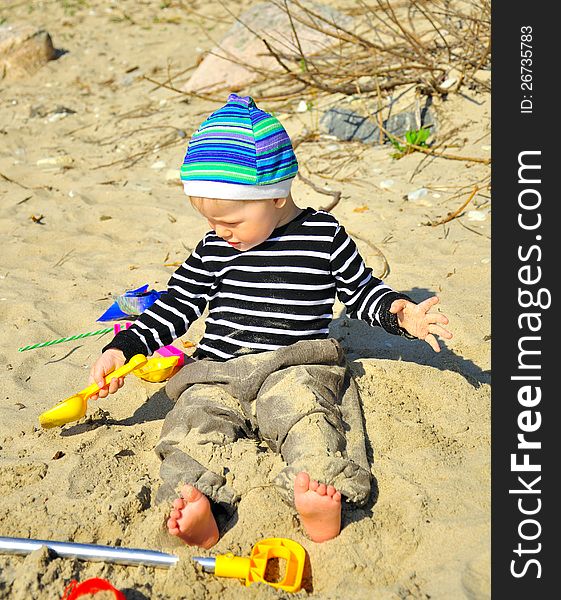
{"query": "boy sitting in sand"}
(268, 272)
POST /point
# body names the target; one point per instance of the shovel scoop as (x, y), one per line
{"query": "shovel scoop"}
(75, 407)
(257, 567)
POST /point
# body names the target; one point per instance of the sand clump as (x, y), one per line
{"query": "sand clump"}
(77, 232)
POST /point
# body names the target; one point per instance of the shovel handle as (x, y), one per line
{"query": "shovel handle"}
(134, 363)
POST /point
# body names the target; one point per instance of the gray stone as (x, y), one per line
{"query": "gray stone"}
(347, 125)
(23, 50)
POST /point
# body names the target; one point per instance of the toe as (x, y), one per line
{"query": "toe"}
(179, 503)
(337, 496)
(175, 514)
(302, 482)
(314, 485)
(330, 490)
(322, 489)
(190, 493)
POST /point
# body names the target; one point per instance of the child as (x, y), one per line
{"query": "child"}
(268, 271)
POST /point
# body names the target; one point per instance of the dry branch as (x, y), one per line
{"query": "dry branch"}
(457, 212)
(336, 194)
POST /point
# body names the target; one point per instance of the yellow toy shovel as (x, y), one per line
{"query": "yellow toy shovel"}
(75, 407)
(163, 365)
(263, 564)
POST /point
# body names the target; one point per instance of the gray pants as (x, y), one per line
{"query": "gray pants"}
(301, 400)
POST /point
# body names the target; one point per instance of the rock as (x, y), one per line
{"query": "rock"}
(144, 496)
(448, 83)
(401, 123)
(386, 184)
(476, 215)
(224, 68)
(417, 194)
(483, 76)
(54, 162)
(60, 112)
(350, 126)
(452, 81)
(419, 197)
(23, 50)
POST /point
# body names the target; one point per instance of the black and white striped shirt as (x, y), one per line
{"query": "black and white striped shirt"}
(270, 296)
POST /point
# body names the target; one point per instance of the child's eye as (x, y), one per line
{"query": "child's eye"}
(213, 224)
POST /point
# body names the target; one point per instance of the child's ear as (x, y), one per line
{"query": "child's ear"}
(280, 202)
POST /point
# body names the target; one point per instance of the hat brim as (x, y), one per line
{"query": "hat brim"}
(236, 191)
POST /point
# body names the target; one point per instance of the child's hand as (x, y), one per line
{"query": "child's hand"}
(109, 361)
(416, 320)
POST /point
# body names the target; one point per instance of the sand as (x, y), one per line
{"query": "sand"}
(75, 236)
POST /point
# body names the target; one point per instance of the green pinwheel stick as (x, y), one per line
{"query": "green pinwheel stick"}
(70, 338)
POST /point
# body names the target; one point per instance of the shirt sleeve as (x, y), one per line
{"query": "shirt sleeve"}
(366, 297)
(171, 315)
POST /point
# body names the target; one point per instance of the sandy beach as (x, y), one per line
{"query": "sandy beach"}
(109, 215)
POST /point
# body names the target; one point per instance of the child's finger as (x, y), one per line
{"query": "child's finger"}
(93, 378)
(113, 385)
(431, 341)
(99, 375)
(427, 304)
(438, 318)
(103, 393)
(440, 331)
(398, 305)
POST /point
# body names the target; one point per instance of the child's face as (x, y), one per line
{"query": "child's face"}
(244, 224)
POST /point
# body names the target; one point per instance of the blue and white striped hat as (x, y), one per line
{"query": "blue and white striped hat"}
(239, 153)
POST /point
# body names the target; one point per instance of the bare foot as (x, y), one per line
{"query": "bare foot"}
(319, 507)
(191, 519)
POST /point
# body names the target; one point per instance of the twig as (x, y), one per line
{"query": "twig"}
(481, 185)
(6, 178)
(347, 90)
(386, 266)
(453, 215)
(27, 187)
(189, 10)
(473, 230)
(336, 194)
(138, 155)
(64, 258)
(417, 169)
(168, 86)
(485, 161)
(307, 137)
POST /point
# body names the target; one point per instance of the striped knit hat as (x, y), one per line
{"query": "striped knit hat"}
(239, 153)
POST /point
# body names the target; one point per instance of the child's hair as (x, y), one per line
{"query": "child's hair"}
(239, 153)
(196, 201)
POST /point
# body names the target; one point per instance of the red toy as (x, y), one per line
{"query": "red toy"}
(91, 586)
